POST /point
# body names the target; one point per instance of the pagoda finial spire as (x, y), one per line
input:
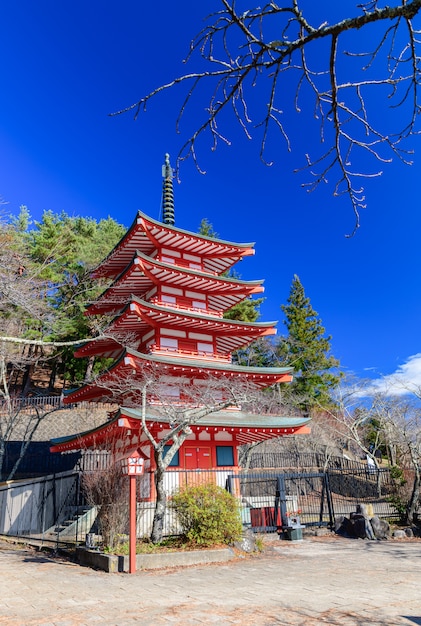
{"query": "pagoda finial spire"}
(167, 193)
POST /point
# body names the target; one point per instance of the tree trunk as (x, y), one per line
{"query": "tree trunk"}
(245, 454)
(29, 370)
(53, 376)
(160, 505)
(415, 496)
(89, 369)
(2, 455)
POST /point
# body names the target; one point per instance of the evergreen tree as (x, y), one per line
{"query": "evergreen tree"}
(66, 249)
(306, 349)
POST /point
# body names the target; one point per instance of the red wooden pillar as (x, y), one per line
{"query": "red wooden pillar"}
(132, 466)
(132, 524)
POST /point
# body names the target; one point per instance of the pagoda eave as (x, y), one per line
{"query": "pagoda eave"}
(125, 375)
(144, 272)
(138, 317)
(125, 428)
(146, 234)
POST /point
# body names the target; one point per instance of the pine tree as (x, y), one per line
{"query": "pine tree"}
(307, 350)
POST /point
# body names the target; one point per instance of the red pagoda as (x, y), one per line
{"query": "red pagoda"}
(168, 293)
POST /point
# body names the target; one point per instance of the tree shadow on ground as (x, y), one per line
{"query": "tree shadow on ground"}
(335, 617)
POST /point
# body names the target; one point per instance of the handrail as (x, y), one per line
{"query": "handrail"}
(205, 356)
(186, 307)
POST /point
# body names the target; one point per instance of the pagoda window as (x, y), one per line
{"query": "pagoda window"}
(168, 259)
(224, 456)
(175, 461)
(205, 347)
(199, 305)
(169, 342)
(168, 299)
(169, 391)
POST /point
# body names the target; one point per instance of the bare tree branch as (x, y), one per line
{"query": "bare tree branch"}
(239, 54)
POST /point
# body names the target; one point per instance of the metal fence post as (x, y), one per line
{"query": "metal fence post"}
(329, 500)
(281, 499)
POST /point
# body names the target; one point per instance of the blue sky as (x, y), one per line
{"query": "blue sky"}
(67, 65)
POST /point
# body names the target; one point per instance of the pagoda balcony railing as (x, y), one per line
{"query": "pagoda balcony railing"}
(190, 354)
(187, 307)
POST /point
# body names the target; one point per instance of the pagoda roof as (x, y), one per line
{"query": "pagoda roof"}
(131, 363)
(144, 272)
(126, 423)
(147, 235)
(140, 315)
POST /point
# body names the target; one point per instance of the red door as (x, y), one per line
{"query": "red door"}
(197, 457)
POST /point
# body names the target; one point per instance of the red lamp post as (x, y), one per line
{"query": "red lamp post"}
(132, 466)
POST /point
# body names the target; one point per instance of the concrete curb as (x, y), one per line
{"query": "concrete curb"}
(112, 563)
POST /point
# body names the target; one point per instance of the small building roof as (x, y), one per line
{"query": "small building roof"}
(126, 423)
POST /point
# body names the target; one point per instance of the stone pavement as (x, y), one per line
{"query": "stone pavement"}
(318, 581)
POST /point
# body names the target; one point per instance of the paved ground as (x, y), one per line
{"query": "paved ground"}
(318, 581)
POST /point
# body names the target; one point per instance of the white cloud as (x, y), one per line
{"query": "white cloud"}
(406, 379)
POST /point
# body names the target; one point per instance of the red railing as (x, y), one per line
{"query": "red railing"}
(205, 356)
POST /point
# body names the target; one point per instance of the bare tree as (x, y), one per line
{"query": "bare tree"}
(314, 63)
(107, 489)
(180, 403)
(25, 322)
(385, 422)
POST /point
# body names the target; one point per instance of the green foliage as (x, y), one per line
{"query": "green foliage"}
(400, 498)
(50, 261)
(145, 546)
(306, 349)
(397, 474)
(206, 229)
(245, 311)
(208, 515)
(400, 506)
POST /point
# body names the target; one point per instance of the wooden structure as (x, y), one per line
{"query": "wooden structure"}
(167, 295)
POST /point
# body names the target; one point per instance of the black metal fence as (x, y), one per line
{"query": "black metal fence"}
(301, 461)
(317, 498)
(47, 402)
(52, 508)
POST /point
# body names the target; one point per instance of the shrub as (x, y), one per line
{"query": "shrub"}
(208, 515)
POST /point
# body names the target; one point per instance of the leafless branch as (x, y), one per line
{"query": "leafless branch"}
(239, 54)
